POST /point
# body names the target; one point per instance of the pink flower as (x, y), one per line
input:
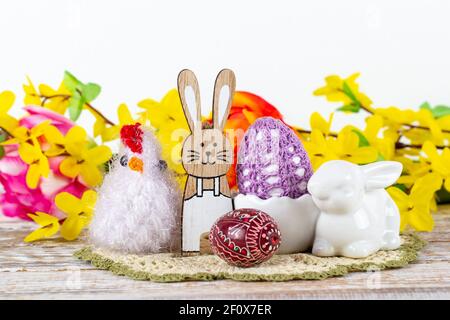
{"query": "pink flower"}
(16, 199)
(40, 114)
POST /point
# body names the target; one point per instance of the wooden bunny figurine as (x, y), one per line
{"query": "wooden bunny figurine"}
(357, 216)
(207, 155)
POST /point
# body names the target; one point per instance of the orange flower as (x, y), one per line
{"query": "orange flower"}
(246, 108)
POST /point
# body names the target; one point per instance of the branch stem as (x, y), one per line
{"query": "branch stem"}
(411, 126)
(91, 107)
(88, 105)
(332, 134)
(398, 144)
(6, 131)
(401, 145)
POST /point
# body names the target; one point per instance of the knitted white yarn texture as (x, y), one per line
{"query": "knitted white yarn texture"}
(137, 212)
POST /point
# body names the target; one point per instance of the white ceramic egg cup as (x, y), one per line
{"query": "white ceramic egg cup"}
(296, 219)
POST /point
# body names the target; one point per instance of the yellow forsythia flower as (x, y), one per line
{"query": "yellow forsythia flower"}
(316, 121)
(79, 212)
(426, 119)
(49, 225)
(7, 122)
(405, 121)
(31, 94)
(444, 123)
(430, 162)
(396, 115)
(55, 100)
(30, 151)
(75, 139)
(439, 163)
(39, 167)
(124, 115)
(318, 149)
(23, 135)
(109, 133)
(415, 207)
(446, 160)
(345, 91)
(385, 144)
(346, 147)
(171, 128)
(413, 169)
(83, 161)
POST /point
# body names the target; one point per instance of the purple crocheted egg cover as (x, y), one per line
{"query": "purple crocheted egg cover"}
(272, 161)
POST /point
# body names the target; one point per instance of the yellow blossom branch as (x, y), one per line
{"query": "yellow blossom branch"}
(365, 108)
(368, 110)
(398, 144)
(88, 105)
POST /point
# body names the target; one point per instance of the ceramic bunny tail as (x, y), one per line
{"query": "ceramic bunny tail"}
(137, 210)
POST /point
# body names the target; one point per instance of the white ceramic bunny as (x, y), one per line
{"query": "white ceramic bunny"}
(357, 216)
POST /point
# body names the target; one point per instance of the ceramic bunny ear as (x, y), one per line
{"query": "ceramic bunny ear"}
(223, 96)
(189, 92)
(381, 174)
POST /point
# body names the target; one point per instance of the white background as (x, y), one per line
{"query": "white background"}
(278, 49)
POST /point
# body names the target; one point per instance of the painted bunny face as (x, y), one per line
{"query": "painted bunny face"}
(337, 187)
(207, 151)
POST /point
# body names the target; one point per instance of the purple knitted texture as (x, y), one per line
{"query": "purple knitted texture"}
(272, 161)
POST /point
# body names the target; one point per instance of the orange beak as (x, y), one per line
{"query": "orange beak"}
(136, 164)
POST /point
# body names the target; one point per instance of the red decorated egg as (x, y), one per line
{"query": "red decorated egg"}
(245, 237)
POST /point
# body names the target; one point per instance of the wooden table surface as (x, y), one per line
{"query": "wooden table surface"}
(47, 270)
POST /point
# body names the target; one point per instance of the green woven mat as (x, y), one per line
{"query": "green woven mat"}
(166, 267)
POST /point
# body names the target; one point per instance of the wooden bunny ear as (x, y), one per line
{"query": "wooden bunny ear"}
(189, 92)
(223, 97)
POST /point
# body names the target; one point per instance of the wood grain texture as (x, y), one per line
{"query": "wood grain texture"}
(225, 78)
(47, 270)
(206, 155)
(187, 79)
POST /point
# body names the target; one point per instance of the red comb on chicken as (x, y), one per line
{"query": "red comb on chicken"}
(132, 136)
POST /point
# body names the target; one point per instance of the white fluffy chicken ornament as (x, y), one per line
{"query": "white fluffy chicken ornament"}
(138, 202)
